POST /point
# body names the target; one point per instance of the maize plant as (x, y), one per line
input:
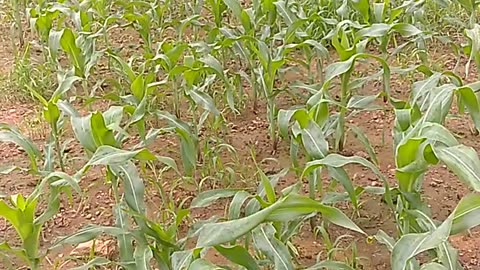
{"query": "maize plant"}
(22, 214)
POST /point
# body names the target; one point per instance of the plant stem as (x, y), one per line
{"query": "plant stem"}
(18, 21)
(312, 183)
(57, 147)
(85, 90)
(472, 20)
(272, 124)
(320, 70)
(254, 88)
(176, 99)
(345, 95)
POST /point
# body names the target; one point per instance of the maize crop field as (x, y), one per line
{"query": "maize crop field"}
(240, 134)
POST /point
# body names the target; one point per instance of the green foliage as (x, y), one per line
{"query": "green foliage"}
(191, 68)
(21, 213)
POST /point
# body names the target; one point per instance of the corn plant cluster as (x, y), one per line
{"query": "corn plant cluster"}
(195, 64)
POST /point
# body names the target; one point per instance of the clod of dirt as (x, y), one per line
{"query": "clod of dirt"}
(362, 154)
(101, 248)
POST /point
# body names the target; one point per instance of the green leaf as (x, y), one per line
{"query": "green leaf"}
(138, 87)
(108, 155)
(214, 234)
(440, 104)
(169, 162)
(265, 241)
(413, 244)
(204, 100)
(113, 117)
(314, 141)
(330, 265)
(58, 179)
(469, 5)
(360, 135)
(214, 64)
(407, 152)
(101, 134)
(320, 49)
(341, 176)
(208, 197)
(267, 186)
(236, 204)
(202, 264)
(188, 142)
(437, 133)
(65, 82)
(235, 6)
(343, 9)
(285, 13)
(86, 234)
(446, 253)
(389, 242)
(13, 216)
(346, 67)
(67, 108)
(69, 45)
(181, 259)
(11, 134)
(294, 206)
(134, 189)
(466, 214)
(20, 253)
(240, 13)
(84, 132)
(126, 68)
(95, 262)
(474, 39)
(385, 239)
(361, 102)
(406, 29)
(51, 113)
(238, 255)
(363, 7)
(187, 150)
(143, 254)
(379, 11)
(284, 117)
(54, 42)
(338, 161)
(433, 266)
(463, 161)
(422, 89)
(138, 117)
(125, 241)
(471, 102)
(374, 30)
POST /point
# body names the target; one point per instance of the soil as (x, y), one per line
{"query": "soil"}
(441, 188)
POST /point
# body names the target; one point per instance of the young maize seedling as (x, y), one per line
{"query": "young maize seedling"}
(21, 213)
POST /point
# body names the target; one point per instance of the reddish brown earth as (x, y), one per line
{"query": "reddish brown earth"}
(442, 189)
